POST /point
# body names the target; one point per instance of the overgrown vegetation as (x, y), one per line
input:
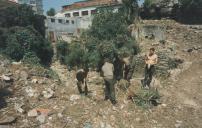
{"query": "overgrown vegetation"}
(22, 36)
(108, 37)
(51, 12)
(23, 16)
(147, 98)
(188, 11)
(31, 58)
(23, 40)
(62, 51)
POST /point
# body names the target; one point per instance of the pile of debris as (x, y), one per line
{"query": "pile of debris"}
(24, 90)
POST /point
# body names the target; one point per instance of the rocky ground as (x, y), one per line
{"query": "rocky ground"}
(35, 97)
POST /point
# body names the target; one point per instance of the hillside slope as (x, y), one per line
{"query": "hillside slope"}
(181, 104)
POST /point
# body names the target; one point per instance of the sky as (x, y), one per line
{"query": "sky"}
(57, 4)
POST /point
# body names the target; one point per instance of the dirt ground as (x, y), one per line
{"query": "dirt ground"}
(181, 97)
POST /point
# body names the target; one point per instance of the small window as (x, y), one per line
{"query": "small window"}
(67, 21)
(93, 12)
(53, 20)
(84, 13)
(68, 15)
(59, 20)
(72, 22)
(75, 13)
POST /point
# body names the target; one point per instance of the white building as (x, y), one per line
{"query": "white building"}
(74, 18)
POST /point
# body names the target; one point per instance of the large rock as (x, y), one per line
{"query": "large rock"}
(7, 120)
(48, 93)
(24, 75)
(32, 113)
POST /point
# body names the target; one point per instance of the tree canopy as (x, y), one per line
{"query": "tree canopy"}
(51, 12)
(107, 37)
(22, 40)
(23, 16)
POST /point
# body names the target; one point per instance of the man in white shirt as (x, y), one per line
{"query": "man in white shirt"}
(151, 60)
(108, 75)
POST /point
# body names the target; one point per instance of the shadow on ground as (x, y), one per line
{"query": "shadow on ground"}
(3, 94)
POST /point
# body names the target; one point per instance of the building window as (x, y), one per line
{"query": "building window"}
(84, 13)
(72, 22)
(68, 15)
(59, 20)
(53, 20)
(67, 21)
(75, 13)
(93, 12)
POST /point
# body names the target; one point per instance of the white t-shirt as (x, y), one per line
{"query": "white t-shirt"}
(108, 70)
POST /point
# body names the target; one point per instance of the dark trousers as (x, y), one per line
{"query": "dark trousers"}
(110, 89)
(149, 72)
(128, 72)
(79, 85)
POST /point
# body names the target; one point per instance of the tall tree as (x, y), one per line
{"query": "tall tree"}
(51, 12)
(131, 10)
(23, 16)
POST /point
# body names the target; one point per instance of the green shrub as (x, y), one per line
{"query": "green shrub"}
(75, 55)
(22, 15)
(3, 37)
(62, 51)
(91, 59)
(106, 25)
(23, 40)
(147, 98)
(107, 49)
(107, 36)
(148, 3)
(52, 74)
(31, 58)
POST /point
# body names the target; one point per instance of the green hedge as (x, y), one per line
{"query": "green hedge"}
(21, 41)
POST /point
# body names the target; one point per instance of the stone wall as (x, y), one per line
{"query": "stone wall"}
(153, 32)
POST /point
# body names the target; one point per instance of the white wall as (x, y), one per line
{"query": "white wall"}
(80, 11)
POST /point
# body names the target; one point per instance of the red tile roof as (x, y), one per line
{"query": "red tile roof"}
(89, 3)
(14, 1)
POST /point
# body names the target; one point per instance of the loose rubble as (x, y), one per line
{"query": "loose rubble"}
(31, 97)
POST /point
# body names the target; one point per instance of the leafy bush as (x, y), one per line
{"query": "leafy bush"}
(62, 51)
(147, 98)
(31, 58)
(22, 15)
(106, 25)
(190, 11)
(130, 10)
(52, 74)
(147, 3)
(3, 37)
(108, 37)
(23, 40)
(51, 12)
(75, 55)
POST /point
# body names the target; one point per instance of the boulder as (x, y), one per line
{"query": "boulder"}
(24, 75)
(5, 78)
(41, 118)
(48, 93)
(7, 120)
(32, 113)
(74, 97)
